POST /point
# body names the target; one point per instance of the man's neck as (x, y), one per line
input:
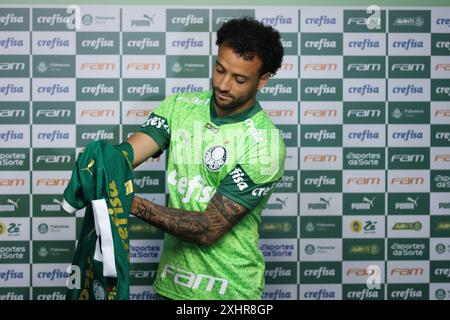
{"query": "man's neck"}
(225, 113)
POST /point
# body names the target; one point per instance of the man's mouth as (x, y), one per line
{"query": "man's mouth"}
(222, 96)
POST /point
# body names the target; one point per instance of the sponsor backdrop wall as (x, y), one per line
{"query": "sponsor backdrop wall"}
(362, 100)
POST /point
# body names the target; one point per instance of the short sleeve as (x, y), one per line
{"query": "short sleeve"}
(256, 174)
(158, 123)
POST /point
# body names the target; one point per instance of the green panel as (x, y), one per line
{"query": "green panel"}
(149, 182)
(363, 203)
(320, 227)
(14, 205)
(409, 21)
(321, 181)
(408, 158)
(281, 272)
(409, 203)
(408, 292)
(15, 159)
(187, 20)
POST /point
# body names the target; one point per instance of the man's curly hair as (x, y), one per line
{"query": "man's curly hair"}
(249, 37)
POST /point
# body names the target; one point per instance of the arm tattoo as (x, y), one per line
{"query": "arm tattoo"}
(198, 227)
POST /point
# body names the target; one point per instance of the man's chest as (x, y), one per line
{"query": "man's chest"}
(198, 147)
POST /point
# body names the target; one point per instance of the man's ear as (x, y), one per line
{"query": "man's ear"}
(263, 80)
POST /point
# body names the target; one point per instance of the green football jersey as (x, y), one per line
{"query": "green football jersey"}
(240, 156)
(101, 182)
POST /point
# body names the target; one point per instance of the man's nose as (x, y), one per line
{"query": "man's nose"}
(225, 84)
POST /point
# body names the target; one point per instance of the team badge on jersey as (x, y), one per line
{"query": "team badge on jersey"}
(99, 292)
(215, 157)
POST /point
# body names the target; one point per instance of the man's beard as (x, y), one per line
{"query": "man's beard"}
(233, 102)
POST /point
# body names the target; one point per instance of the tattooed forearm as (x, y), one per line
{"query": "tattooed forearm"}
(202, 228)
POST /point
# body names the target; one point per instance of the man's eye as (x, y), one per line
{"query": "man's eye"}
(219, 70)
(238, 80)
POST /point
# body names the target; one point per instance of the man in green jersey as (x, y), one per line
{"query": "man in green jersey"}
(225, 156)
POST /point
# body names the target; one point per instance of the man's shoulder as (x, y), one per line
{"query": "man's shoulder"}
(264, 129)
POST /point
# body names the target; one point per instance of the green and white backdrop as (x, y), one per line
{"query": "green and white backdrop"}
(362, 100)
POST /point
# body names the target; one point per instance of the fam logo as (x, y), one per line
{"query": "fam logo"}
(325, 67)
(97, 66)
(280, 113)
(407, 180)
(52, 182)
(320, 158)
(365, 67)
(363, 114)
(363, 181)
(143, 66)
(12, 182)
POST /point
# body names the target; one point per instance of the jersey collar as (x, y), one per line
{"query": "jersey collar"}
(238, 117)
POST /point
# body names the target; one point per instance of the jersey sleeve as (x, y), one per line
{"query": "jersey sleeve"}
(158, 123)
(256, 174)
(73, 194)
